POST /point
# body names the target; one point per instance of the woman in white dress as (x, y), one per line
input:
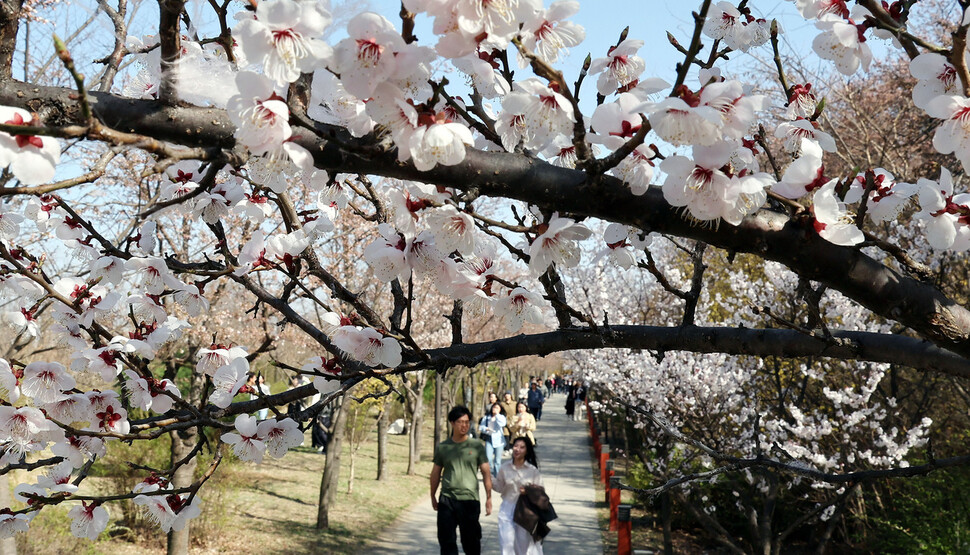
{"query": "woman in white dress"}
(512, 477)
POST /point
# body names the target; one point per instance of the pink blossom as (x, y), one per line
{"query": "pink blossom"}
(260, 115)
(621, 67)
(88, 520)
(246, 444)
(518, 307)
(45, 382)
(548, 34)
(556, 244)
(280, 436)
(832, 221)
(368, 346)
(283, 37)
(227, 381)
(31, 158)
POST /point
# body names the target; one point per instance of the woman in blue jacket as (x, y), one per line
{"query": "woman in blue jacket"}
(491, 432)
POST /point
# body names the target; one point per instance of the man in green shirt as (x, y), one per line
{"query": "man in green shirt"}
(457, 462)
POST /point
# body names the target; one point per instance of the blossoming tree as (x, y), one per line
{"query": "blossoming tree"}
(264, 141)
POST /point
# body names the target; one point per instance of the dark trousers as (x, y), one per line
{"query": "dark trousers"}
(536, 411)
(464, 515)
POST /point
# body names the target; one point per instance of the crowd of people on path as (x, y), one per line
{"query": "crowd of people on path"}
(506, 428)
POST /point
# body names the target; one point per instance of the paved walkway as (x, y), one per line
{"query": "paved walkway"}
(563, 453)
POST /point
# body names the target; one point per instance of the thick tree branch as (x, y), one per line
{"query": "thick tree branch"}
(852, 345)
(773, 236)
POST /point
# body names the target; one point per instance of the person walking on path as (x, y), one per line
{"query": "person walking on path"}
(524, 425)
(535, 400)
(492, 431)
(492, 399)
(508, 409)
(571, 403)
(512, 478)
(457, 461)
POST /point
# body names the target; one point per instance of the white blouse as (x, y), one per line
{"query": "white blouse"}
(510, 479)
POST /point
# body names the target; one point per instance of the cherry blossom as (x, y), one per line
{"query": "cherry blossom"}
(246, 444)
(936, 77)
(518, 307)
(804, 174)
(738, 30)
(9, 383)
(548, 34)
(368, 346)
(331, 103)
(286, 248)
(88, 520)
(385, 256)
(58, 479)
(329, 382)
(31, 158)
(280, 436)
(953, 135)
(11, 523)
(499, 20)
(367, 56)
(793, 132)
(422, 254)
(260, 115)
(481, 69)
(149, 395)
(843, 42)
(441, 142)
(886, 200)
(802, 102)
(707, 191)
(618, 248)
(832, 221)
(683, 120)
(947, 216)
(283, 37)
(227, 381)
(77, 450)
(616, 122)
(24, 429)
(812, 9)
(10, 224)
(452, 230)
(216, 356)
(171, 512)
(543, 114)
(620, 69)
(22, 321)
(556, 244)
(45, 382)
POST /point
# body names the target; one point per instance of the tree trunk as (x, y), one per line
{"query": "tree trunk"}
(182, 444)
(382, 446)
(765, 536)
(353, 468)
(437, 408)
(414, 435)
(331, 469)
(414, 397)
(665, 518)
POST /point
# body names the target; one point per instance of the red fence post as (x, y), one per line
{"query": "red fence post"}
(604, 456)
(614, 503)
(624, 541)
(609, 483)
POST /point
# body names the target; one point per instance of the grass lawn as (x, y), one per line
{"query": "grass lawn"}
(267, 508)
